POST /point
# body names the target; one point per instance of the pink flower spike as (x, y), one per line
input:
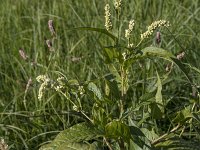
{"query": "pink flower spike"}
(22, 54)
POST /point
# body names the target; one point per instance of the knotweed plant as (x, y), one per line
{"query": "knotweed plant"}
(113, 121)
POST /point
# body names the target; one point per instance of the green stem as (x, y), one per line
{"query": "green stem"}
(123, 90)
(107, 143)
(139, 43)
(118, 26)
(76, 106)
(121, 144)
(118, 17)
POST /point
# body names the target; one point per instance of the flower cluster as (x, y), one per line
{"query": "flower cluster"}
(180, 55)
(60, 84)
(45, 82)
(118, 4)
(153, 26)
(81, 90)
(108, 23)
(130, 29)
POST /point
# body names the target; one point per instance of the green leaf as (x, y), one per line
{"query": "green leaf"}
(93, 88)
(147, 96)
(136, 131)
(158, 52)
(112, 86)
(72, 146)
(149, 52)
(110, 54)
(183, 115)
(103, 31)
(182, 68)
(99, 115)
(158, 97)
(150, 134)
(156, 112)
(141, 140)
(115, 73)
(117, 129)
(73, 82)
(77, 146)
(136, 143)
(75, 134)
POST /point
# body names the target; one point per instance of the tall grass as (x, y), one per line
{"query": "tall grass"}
(25, 123)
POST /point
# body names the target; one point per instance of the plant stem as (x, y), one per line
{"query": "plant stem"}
(164, 135)
(76, 106)
(107, 143)
(122, 92)
(118, 25)
(121, 144)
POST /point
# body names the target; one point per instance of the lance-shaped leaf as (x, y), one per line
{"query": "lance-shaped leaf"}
(158, 97)
(117, 129)
(93, 88)
(110, 54)
(72, 146)
(76, 134)
(115, 73)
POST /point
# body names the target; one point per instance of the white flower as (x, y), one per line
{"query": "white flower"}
(153, 26)
(45, 82)
(108, 23)
(130, 29)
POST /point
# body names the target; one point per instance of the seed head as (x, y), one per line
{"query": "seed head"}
(108, 23)
(51, 27)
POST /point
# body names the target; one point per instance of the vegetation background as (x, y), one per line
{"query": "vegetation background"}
(23, 25)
